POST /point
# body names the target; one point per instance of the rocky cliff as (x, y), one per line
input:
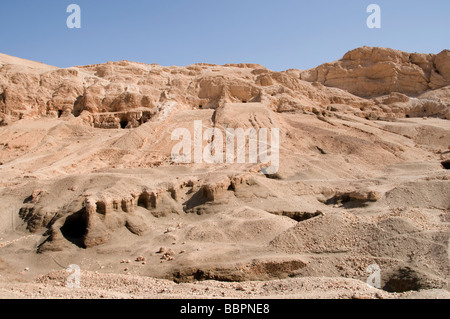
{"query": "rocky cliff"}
(374, 82)
(88, 177)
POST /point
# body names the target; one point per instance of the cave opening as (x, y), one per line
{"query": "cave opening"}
(123, 124)
(402, 280)
(75, 228)
(144, 200)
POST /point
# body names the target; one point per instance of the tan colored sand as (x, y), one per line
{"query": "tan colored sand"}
(359, 183)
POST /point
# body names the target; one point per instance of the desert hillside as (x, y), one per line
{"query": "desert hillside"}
(88, 177)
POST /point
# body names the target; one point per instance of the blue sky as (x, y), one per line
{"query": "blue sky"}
(279, 34)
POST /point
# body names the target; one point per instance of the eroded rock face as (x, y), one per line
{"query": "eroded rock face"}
(369, 72)
(126, 94)
(97, 219)
(90, 220)
(358, 184)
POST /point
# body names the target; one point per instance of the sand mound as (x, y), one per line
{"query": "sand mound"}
(242, 225)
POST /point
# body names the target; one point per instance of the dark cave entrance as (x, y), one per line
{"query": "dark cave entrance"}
(75, 228)
(404, 279)
(446, 164)
(144, 200)
(123, 124)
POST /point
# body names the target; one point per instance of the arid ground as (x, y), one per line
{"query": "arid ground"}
(87, 178)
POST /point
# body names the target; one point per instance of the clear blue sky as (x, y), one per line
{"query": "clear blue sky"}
(278, 34)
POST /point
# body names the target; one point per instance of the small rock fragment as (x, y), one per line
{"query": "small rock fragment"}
(169, 230)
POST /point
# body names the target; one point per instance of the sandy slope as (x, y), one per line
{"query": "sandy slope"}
(351, 191)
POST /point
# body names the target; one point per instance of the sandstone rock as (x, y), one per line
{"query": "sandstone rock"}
(371, 72)
(215, 190)
(136, 225)
(125, 94)
(357, 184)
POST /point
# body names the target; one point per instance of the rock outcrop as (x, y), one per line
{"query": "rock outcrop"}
(369, 72)
(126, 94)
(90, 171)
